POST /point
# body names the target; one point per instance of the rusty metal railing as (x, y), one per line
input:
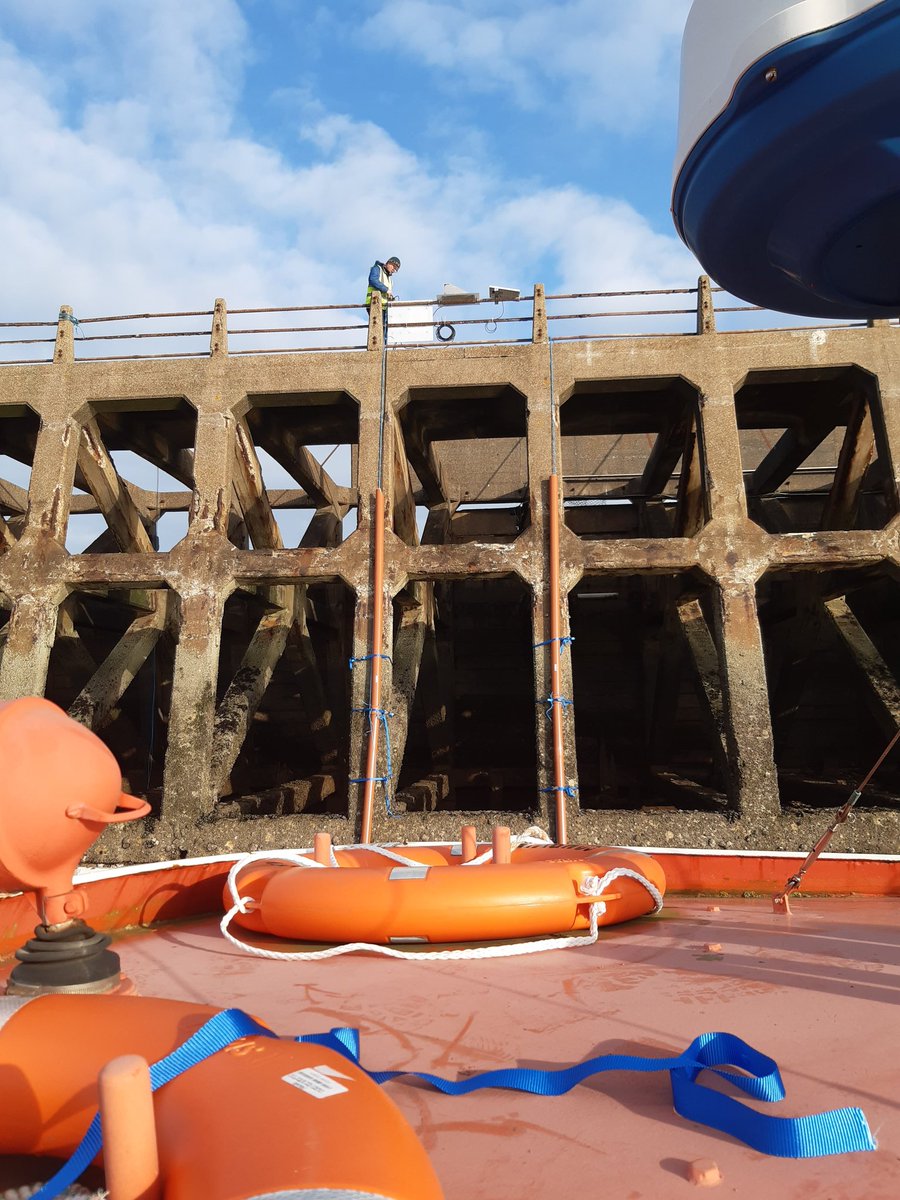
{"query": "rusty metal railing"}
(300, 329)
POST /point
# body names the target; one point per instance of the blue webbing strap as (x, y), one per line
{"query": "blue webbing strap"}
(840, 1131)
(219, 1031)
(837, 1132)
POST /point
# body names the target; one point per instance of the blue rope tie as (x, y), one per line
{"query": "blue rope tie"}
(63, 316)
(367, 658)
(381, 715)
(551, 700)
(840, 1131)
(571, 792)
(563, 642)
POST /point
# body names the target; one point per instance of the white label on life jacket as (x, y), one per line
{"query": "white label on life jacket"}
(319, 1082)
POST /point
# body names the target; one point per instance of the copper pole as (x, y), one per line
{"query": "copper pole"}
(375, 673)
(559, 768)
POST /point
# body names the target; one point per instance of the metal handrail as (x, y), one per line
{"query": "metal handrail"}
(444, 315)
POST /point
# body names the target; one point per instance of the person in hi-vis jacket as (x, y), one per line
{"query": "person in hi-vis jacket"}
(380, 281)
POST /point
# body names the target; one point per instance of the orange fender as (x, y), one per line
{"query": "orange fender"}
(59, 788)
(541, 891)
(231, 1128)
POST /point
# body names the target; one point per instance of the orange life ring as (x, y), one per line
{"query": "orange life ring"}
(426, 894)
(231, 1128)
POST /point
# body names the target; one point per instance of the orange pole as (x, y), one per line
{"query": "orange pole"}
(375, 674)
(322, 849)
(130, 1157)
(468, 843)
(500, 841)
(559, 767)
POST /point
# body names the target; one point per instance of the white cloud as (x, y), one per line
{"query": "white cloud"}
(114, 204)
(180, 60)
(613, 66)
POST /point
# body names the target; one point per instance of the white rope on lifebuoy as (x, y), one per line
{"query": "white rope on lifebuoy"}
(593, 886)
(532, 836)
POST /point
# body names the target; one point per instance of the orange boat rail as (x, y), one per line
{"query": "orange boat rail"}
(140, 897)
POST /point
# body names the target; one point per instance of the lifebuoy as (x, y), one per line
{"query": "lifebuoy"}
(427, 894)
(256, 1119)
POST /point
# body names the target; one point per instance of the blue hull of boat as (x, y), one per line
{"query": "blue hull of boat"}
(791, 198)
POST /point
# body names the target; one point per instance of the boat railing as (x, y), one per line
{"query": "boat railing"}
(415, 324)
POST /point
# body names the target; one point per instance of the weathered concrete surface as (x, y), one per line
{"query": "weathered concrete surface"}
(458, 425)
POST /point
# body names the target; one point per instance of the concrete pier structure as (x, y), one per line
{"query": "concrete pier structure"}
(728, 561)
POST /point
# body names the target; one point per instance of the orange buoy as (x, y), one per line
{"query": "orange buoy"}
(60, 787)
(439, 894)
(264, 1116)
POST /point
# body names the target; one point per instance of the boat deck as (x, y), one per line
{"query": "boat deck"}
(816, 991)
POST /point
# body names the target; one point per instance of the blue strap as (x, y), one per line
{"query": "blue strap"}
(219, 1031)
(840, 1131)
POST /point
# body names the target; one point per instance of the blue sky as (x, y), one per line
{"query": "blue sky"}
(155, 157)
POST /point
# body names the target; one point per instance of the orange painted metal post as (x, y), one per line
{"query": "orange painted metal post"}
(130, 1156)
(375, 673)
(559, 767)
(501, 845)
(468, 843)
(322, 849)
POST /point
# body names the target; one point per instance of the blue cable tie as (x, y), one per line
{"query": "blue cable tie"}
(839, 1131)
(219, 1031)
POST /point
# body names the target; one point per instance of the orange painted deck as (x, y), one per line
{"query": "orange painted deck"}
(817, 991)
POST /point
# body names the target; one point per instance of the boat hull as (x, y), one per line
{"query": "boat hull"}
(790, 197)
